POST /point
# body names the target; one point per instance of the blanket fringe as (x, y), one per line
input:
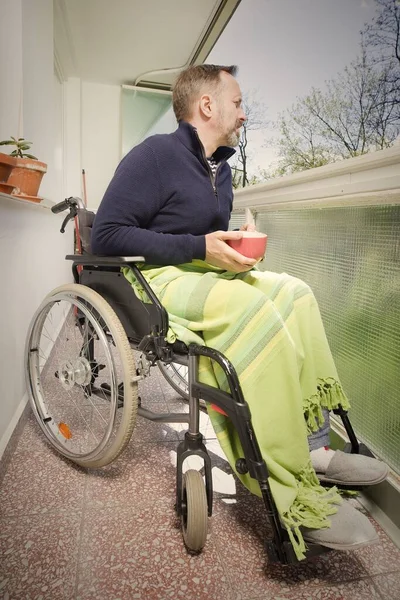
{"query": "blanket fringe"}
(329, 395)
(312, 505)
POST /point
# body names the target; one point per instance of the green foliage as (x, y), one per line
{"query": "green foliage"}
(20, 146)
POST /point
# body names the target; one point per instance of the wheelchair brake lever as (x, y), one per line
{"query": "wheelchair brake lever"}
(72, 214)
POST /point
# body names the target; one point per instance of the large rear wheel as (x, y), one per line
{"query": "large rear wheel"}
(80, 375)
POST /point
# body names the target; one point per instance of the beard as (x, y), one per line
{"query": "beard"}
(233, 139)
(229, 137)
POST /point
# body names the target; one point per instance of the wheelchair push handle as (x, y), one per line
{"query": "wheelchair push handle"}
(71, 202)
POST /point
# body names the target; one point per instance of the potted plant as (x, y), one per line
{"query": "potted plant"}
(7, 163)
(26, 171)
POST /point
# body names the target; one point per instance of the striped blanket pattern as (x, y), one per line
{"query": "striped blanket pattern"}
(269, 326)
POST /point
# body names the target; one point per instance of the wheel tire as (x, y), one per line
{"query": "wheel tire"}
(194, 516)
(175, 379)
(123, 430)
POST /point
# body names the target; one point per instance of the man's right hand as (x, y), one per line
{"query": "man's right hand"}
(219, 254)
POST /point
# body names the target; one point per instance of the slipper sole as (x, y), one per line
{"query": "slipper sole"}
(324, 479)
(339, 546)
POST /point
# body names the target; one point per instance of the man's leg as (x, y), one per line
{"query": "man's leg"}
(311, 343)
(246, 326)
(320, 438)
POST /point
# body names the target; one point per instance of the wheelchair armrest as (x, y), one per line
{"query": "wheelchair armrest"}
(103, 261)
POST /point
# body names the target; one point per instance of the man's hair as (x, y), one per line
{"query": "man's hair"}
(189, 85)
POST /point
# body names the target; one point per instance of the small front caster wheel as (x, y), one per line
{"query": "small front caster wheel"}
(194, 512)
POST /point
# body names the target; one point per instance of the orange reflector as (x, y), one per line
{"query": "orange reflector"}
(218, 410)
(65, 430)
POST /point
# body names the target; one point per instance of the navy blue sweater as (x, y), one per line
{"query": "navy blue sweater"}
(163, 200)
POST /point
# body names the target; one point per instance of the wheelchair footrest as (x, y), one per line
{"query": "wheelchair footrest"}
(363, 449)
(286, 554)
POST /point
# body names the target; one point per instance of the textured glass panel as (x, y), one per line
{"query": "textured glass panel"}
(237, 220)
(350, 256)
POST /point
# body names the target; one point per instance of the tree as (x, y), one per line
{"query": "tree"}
(255, 112)
(382, 38)
(382, 35)
(356, 114)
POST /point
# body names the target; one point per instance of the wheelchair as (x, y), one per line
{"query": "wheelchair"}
(82, 382)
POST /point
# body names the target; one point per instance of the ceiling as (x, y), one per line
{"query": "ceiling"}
(136, 41)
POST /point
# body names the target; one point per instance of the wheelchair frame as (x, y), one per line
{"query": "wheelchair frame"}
(146, 326)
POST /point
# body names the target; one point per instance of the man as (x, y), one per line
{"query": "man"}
(170, 201)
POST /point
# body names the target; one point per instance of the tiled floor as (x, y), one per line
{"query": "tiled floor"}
(111, 533)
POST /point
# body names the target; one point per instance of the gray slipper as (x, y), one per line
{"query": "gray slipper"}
(354, 469)
(349, 530)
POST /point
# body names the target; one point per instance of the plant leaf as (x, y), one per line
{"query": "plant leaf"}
(7, 143)
(29, 156)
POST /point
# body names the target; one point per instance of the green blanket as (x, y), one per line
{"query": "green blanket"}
(269, 326)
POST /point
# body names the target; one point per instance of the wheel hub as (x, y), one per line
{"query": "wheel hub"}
(74, 372)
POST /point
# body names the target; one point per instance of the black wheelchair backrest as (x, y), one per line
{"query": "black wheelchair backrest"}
(85, 222)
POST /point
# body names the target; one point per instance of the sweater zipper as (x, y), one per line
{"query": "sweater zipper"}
(212, 179)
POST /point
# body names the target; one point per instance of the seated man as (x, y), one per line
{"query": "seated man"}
(170, 201)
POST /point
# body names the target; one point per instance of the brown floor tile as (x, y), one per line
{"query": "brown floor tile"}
(147, 431)
(138, 553)
(141, 473)
(240, 531)
(132, 545)
(363, 589)
(151, 388)
(39, 557)
(382, 557)
(388, 585)
(39, 482)
(32, 437)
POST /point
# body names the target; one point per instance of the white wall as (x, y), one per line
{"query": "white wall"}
(32, 255)
(37, 74)
(10, 68)
(31, 248)
(101, 137)
(72, 138)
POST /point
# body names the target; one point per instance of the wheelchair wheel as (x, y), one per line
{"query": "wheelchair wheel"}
(80, 376)
(177, 377)
(194, 511)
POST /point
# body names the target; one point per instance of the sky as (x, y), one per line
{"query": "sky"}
(283, 48)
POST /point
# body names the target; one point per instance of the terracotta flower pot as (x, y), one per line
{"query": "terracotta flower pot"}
(6, 188)
(27, 175)
(7, 163)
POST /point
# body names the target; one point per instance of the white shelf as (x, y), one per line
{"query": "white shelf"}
(44, 204)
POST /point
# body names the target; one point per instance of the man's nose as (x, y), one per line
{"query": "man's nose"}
(242, 116)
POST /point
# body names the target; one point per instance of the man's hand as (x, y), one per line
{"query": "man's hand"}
(248, 227)
(219, 254)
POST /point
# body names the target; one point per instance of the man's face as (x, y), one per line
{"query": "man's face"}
(230, 115)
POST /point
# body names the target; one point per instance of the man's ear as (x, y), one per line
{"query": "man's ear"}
(206, 105)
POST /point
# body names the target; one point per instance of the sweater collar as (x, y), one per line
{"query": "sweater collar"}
(188, 135)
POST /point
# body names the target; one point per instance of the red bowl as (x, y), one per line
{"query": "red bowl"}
(253, 244)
